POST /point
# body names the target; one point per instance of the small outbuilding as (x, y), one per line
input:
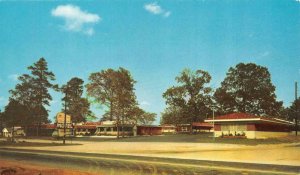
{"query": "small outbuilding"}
(183, 128)
(17, 131)
(5, 132)
(250, 126)
(168, 129)
(149, 130)
(202, 127)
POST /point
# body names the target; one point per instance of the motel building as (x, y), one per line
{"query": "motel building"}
(250, 126)
(85, 128)
(168, 129)
(109, 128)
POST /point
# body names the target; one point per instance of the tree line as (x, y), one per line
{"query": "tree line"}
(111, 88)
(246, 88)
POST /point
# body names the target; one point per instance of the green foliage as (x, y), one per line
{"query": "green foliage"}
(248, 88)
(147, 118)
(293, 111)
(41, 81)
(77, 106)
(113, 89)
(33, 91)
(1, 120)
(173, 115)
(140, 117)
(190, 100)
(16, 114)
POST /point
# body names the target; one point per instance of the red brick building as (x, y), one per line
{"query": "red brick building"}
(202, 127)
(149, 130)
(168, 129)
(250, 126)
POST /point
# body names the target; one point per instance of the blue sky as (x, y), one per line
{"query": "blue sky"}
(155, 40)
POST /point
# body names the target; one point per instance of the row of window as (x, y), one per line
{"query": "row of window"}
(114, 129)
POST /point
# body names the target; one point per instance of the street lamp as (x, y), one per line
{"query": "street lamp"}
(213, 113)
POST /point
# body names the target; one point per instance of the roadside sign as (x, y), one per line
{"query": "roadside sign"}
(60, 118)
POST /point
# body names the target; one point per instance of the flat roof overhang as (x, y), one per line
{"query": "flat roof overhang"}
(249, 120)
(104, 126)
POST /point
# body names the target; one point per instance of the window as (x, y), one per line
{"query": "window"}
(233, 127)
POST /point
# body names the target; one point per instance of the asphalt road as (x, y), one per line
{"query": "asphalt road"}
(139, 165)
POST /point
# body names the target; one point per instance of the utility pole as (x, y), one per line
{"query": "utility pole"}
(296, 113)
(1, 122)
(65, 118)
(214, 123)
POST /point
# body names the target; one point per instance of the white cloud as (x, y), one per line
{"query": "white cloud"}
(155, 9)
(76, 20)
(297, 0)
(263, 54)
(167, 14)
(266, 53)
(13, 77)
(89, 31)
(145, 103)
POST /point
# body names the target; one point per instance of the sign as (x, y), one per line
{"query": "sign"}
(109, 122)
(60, 118)
(61, 125)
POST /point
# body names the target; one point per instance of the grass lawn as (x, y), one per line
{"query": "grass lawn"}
(193, 138)
(172, 138)
(32, 144)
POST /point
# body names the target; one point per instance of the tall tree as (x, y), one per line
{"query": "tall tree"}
(1, 121)
(126, 98)
(102, 89)
(191, 98)
(77, 106)
(140, 117)
(248, 88)
(15, 114)
(147, 118)
(33, 91)
(113, 89)
(173, 115)
(293, 111)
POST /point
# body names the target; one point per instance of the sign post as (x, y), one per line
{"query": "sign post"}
(296, 110)
(63, 125)
(65, 118)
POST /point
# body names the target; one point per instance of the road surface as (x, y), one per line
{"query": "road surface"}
(125, 165)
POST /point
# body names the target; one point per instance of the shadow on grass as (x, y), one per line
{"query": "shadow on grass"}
(296, 145)
(199, 138)
(34, 144)
(172, 138)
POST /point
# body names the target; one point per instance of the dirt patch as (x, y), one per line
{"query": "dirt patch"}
(20, 168)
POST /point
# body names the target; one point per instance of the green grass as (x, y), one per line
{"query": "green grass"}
(31, 144)
(201, 138)
(175, 138)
